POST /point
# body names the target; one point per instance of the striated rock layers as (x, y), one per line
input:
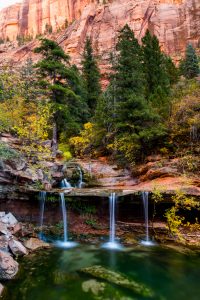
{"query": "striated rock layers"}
(32, 16)
(175, 22)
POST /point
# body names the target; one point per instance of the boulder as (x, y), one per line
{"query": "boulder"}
(4, 243)
(8, 266)
(17, 248)
(16, 228)
(35, 244)
(16, 164)
(3, 228)
(9, 219)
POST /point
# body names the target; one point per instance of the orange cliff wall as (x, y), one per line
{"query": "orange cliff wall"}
(31, 16)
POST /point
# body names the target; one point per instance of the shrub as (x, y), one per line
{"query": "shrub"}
(6, 152)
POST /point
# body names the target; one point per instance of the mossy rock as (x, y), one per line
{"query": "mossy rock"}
(118, 279)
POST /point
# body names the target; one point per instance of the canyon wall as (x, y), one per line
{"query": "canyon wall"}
(32, 16)
(175, 22)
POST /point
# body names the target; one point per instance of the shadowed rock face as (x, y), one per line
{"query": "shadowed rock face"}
(175, 22)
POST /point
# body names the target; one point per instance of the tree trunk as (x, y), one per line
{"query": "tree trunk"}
(54, 140)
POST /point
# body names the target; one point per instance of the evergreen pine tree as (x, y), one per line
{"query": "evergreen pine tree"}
(157, 79)
(189, 66)
(137, 125)
(57, 78)
(172, 70)
(129, 76)
(91, 76)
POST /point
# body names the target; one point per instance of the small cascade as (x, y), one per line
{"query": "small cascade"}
(65, 184)
(80, 182)
(42, 198)
(112, 244)
(145, 199)
(65, 243)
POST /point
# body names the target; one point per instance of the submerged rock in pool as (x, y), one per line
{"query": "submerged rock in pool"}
(118, 279)
(93, 285)
(8, 266)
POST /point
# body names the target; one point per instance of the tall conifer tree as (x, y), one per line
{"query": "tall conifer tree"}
(137, 125)
(157, 79)
(91, 76)
(189, 66)
(58, 80)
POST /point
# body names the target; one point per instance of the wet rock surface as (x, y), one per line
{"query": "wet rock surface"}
(8, 266)
(35, 244)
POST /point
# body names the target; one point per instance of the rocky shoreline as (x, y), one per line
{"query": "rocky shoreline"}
(14, 244)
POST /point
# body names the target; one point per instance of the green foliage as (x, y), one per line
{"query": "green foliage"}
(82, 144)
(6, 152)
(62, 84)
(65, 149)
(185, 117)
(189, 67)
(91, 76)
(174, 219)
(158, 70)
(24, 110)
(137, 126)
(129, 75)
(82, 208)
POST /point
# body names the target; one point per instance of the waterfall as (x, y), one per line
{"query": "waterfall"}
(42, 198)
(65, 243)
(112, 203)
(145, 199)
(65, 184)
(80, 182)
(64, 215)
(112, 244)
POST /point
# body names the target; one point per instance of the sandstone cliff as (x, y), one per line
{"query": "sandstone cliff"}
(175, 22)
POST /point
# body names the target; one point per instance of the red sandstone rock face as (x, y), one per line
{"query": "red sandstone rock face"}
(175, 22)
(31, 16)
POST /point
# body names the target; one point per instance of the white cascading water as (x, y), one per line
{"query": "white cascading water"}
(42, 198)
(112, 200)
(65, 243)
(80, 182)
(145, 199)
(112, 244)
(65, 184)
(64, 215)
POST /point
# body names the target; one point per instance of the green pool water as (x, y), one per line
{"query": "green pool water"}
(139, 273)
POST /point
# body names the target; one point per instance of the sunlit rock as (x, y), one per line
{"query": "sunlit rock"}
(34, 244)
